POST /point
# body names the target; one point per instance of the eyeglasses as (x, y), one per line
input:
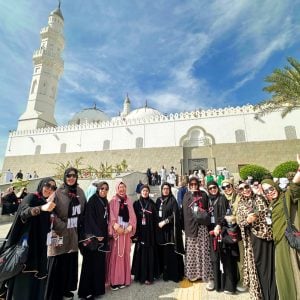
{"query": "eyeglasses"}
(103, 189)
(165, 188)
(245, 187)
(224, 187)
(50, 186)
(213, 187)
(269, 190)
(71, 175)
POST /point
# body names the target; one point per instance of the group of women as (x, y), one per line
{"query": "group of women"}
(220, 228)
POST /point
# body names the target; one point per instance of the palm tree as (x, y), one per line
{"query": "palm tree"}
(285, 89)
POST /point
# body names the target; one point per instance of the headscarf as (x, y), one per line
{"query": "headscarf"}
(194, 178)
(123, 209)
(145, 186)
(210, 183)
(272, 183)
(170, 190)
(72, 188)
(42, 183)
(100, 184)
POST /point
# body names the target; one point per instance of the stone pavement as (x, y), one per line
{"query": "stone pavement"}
(184, 290)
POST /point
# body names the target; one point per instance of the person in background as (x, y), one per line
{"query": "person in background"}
(138, 188)
(95, 230)
(181, 192)
(22, 194)
(149, 176)
(209, 177)
(32, 223)
(10, 202)
(63, 250)
(145, 267)
(122, 226)
(226, 173)
(287, 259)
(171, 178)
(19, 175)
(163, 175)
(197, 250)
(220, 178)
(169, 236)
(35, 175)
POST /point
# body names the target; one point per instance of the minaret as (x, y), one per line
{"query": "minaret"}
(47, 69)
(126, 107)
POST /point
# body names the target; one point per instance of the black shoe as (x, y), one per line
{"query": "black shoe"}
(114, 287)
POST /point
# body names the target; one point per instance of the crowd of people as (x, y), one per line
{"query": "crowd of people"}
(230, 236)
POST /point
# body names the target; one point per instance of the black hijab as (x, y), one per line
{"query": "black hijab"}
(72, 190)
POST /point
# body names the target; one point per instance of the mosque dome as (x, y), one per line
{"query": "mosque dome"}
(89, 115)
(143, 113)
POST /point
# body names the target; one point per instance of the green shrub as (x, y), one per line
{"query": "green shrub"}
(257, 172)
(283, 169)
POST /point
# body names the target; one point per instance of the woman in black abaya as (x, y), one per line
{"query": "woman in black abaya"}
(32, 223)
(145, 266)
(169, 236)
(95, 229)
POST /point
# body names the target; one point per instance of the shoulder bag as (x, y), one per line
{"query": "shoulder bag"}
(291, 233)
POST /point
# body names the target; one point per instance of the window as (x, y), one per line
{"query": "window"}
(38, 149)
(106, 145)
(290, 132)
(240, 136)
(63, 148)
(139, 142)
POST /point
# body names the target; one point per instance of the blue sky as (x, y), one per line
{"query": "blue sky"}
(178, 55)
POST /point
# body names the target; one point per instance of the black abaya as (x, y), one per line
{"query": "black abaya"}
(145, 265)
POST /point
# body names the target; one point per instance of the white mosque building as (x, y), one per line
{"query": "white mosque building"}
(215, 138)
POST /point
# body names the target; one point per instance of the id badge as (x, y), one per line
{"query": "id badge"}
(143, 221)
(195, 208)
(160, 213)
(212, 219)
(49, 238)
(268, 221)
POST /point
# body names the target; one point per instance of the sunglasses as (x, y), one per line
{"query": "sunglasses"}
(245, 187)
(50, 186)
(224, 187)
(71, 175)
(103, 189)
(269, 190)
(213, 187)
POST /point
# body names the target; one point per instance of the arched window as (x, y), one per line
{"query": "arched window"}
(106, 145)
(139, 142)
(240, 136)
(38, 149)
(63, 148)
(290, 132)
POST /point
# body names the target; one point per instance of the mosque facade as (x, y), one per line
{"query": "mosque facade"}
(215, 138)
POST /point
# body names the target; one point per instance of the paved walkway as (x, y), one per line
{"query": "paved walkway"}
(184, 290)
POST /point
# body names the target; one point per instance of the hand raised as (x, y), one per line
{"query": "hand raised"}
(49, 206)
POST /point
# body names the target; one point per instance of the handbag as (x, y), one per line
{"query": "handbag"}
(202, 216)
(13, 259)
(92, 244)
(291, 233)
